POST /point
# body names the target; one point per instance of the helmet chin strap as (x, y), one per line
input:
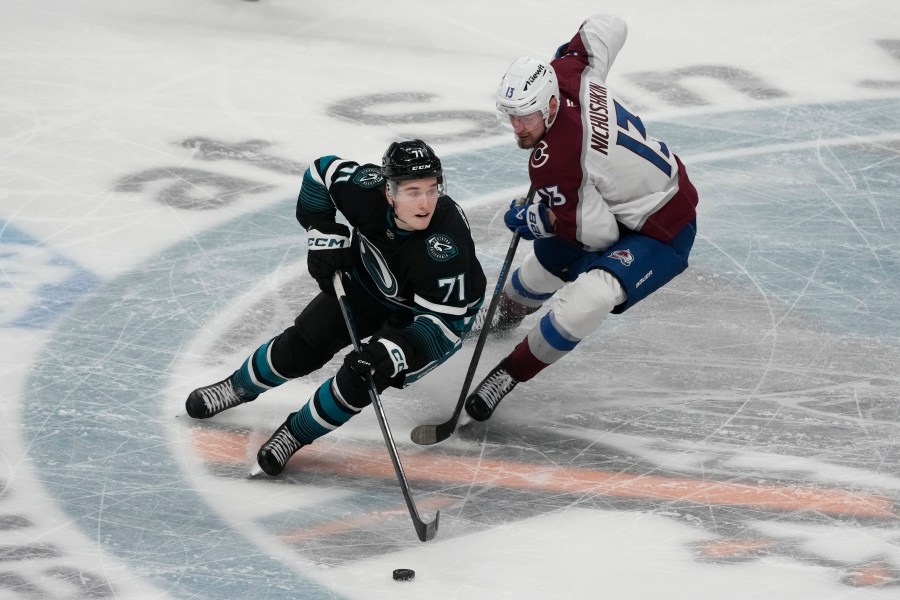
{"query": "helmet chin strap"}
(397, 219)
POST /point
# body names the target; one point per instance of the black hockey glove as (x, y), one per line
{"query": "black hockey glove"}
(329, 250)
(382, 358)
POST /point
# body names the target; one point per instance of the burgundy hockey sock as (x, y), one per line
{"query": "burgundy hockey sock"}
(521, 364)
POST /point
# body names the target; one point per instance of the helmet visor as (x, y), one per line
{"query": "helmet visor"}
(414, 189)
(513, 121)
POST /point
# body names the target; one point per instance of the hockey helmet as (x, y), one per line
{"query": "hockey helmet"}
(413, 159)
(527, 87)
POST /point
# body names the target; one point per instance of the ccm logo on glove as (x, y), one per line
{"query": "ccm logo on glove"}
(322, 241)
(329, 251)
(383, 359)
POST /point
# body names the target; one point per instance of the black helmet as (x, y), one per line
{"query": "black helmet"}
(414, 159)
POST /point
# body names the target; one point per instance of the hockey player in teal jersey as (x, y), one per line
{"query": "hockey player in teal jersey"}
(413, 284)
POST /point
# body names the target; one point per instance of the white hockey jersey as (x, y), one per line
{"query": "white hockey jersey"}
(596, 167)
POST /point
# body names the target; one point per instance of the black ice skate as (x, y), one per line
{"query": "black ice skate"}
(211, 400)
(504, 320)
(481, 403)
(274, 454)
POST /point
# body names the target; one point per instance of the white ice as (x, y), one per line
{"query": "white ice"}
(734, 436)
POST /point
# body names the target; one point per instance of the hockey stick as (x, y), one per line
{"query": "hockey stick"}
(424, 530)
(426, 435)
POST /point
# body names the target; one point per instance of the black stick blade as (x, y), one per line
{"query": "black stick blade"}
(426, 435)
(427, 531)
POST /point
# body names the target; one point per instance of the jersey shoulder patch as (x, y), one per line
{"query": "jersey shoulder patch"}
(368, 177)
(441, 247)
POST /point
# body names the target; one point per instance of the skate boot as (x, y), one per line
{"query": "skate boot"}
(274, 454)
(504, 320)
(481, 403)
(207, 401)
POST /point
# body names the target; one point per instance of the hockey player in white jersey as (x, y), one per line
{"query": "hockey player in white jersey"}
(614, 215)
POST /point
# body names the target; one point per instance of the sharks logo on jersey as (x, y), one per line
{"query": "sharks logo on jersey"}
(377, 267)
(368, 177)
(440, 247)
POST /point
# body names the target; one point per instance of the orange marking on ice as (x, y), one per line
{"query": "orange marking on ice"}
(221, 446)
(364, 520)
(734, 548)
(872, 574)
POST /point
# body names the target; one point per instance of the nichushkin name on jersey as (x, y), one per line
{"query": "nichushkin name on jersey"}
(599, 117)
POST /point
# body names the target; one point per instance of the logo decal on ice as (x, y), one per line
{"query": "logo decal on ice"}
(539, 156)
(440, 247)
(37, 285)
(623, 256)
(124, 301)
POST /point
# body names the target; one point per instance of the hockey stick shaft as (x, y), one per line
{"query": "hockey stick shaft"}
(425, 531)
(426, 435)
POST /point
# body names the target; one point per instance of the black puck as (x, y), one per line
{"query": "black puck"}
(404, 574)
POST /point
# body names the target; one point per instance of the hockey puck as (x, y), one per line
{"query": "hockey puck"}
(404, 574)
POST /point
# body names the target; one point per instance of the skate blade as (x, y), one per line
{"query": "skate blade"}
(465, 420)
(254, 471)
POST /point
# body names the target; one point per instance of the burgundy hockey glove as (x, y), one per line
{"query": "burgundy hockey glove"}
(531, 221)
(383, 359)
(329, 250)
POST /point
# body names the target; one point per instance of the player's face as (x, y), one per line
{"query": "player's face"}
(528, 129)
(414, 203)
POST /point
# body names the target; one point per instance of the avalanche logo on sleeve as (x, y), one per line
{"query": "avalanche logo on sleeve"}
(540, 156)
(623, 256)
(440, 247)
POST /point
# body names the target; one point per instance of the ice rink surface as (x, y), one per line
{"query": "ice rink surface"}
(734, 436)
